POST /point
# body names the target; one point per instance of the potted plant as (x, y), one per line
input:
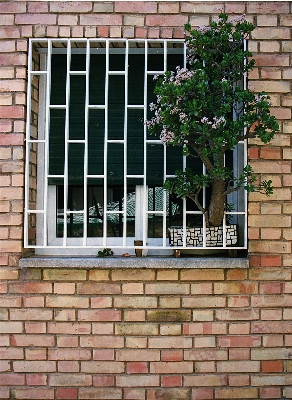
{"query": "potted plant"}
(206, 109)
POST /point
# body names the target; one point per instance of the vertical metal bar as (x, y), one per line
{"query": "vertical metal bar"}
(66, 161)
(245, 149)
(105, 145)
(145, 191)
(47, 134)
(27, 146)
(164, 216)
(126, 141)
(85, 168)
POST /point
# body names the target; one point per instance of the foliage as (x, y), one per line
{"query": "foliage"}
(105, 253)
(206, 109)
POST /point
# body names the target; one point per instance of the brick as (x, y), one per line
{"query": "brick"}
(100, 302)
(33, 340)
(68, 366)
(34, 366)
(169, 393)
(183, 367)
(271, 327)
(132, 288)
(239, 341)
(239, 328)
(202, 275)
(135, 302)
(103, 381)
(69, 7)
(137, 354)
(167, 275)
(101, 19)
(170, 329)
(8, 273)
(99, 275)
(64, 315)
(11, 327)
(170, 342)
(270, 393)
(66, 393)
(167, 288)
(267, 246)
(133, 275)
(102, 341)
(137, 368)
(69, 354)
(236, 288)
(265, 380)
(99, 315)
(202, 394)
(136, 329)
(206, 380)
(132, 7)
(234, 393)
(137, 380)
(272, 301)
(67, 301)
(12, 379)
(69, 328)
(166, 20)
(269, 274)
(272, 366)
(168, 8)
(35, 19)
(5, 366)
(171, 355)
(169, 315)
(171, 381)
(31, 287)
(31, 315)
(10, 353)
(107, 367)
(35, 327)
(272, 7)
(35, 354)
(32, 393)
(238, 366)
(270, 33)
(267, 20)
(64, 288)
(97, 393)
(204, 302)
(64, 275)
(70, 380)
(98, 288)
(103, 354)
(67, 20)
(204, 328)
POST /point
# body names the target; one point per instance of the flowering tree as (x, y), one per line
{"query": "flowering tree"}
(206, 110)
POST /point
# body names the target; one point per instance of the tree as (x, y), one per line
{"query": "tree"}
(206, 110)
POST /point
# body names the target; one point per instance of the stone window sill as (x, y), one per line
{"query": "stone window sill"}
(133, 262)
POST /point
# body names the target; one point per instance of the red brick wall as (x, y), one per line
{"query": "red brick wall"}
(105, 334)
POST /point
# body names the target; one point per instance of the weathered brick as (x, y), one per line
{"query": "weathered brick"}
(135, 302)
(236, 393)
(238, 366)
(67, 301)
(136, 329)
(137, 380)
(239, 341)
(99, 315)
(206, 380)
(98, 288)
(102, 341)
(167, 288)
(202, 275)
(64, 275)
(100, 393)
(133, 275)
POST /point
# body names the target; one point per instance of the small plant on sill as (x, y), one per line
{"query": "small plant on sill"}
(206, 110)
(105, 253)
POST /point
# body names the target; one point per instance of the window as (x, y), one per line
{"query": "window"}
(94, 176)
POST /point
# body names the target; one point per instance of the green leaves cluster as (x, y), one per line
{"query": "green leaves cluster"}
(206, 109)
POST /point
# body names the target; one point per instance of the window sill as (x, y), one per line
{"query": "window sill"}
(134, 262)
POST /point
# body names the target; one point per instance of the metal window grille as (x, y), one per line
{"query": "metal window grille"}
(147, 204)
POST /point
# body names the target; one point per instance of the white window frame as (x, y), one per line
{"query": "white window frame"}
(46, 241)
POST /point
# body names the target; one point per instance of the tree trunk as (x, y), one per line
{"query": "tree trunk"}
(217, 203)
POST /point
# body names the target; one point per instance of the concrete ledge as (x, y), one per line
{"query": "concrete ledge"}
(132, 262)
